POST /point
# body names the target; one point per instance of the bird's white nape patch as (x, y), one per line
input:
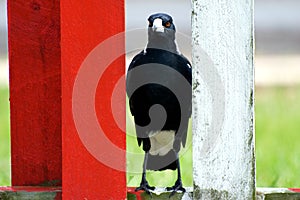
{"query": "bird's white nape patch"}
(158, 26)
(161, 142)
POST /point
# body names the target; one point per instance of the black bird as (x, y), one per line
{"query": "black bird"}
(160, 75)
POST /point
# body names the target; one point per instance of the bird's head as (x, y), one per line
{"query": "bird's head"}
(160, 22)
(161, 27)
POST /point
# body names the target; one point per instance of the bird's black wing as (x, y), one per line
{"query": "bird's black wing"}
(129, 87)
(130, 90)
(140, 101)
(186, 70)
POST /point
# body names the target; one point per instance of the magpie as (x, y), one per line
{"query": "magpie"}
(158, 85)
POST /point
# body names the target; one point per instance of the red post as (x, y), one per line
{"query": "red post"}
(48, 44)
(35, 92)
(85, 26)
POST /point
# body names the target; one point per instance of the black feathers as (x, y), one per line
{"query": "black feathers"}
(158, 85)
(163, 67)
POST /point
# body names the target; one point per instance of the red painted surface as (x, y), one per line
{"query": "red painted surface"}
(84, 26)
(35, 91)
(30, 189)
(137, 194)
(295, 190)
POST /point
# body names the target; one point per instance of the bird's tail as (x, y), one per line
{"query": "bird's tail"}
(159, 163)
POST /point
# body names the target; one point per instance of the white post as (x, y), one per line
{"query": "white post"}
(223, 106)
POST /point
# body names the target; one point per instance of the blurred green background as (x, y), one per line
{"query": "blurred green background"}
(4, 138)
(278, 136)
(277, 101)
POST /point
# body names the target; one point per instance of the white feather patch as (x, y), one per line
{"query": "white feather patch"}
(158, 26)
(161, 142)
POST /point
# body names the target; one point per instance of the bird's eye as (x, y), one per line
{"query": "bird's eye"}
(150, 24)
(168, 24)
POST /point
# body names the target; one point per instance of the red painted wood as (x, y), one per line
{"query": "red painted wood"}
(84, 26)
(35, 91)
(295, 190)
(30, 189)
(138, 194)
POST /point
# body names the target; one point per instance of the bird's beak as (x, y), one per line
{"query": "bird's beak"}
(158, 26)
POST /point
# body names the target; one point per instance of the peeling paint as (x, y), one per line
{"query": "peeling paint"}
(223, 102)
(210, 194)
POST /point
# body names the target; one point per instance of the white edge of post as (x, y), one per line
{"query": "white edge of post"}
(223, 99)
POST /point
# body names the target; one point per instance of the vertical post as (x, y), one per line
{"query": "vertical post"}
(223, 107)
(92, 63)
(35, 91)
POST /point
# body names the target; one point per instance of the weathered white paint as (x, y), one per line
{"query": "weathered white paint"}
(223, 108)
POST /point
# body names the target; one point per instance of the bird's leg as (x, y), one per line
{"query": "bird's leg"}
(178, 183)
(144, 183)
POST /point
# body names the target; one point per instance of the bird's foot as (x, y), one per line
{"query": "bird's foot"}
(177, 187)
(146, 187)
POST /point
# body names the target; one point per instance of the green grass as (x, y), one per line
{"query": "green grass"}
(278, 137)
(4, 138)
(277, 143)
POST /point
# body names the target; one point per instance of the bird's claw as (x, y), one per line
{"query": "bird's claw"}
(177, 187)
(145, 187)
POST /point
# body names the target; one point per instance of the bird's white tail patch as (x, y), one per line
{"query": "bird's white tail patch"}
(161, 142)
